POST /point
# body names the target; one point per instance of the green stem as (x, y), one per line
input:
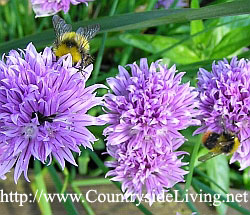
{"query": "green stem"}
(69, 206)
(189, 204)
(66, 177)
(98, 161)
(151, 5)
(91, 182)
(66, 180)
(101, 50)
(39, 187)
(128, 50)
(191, 167)
(83, 200)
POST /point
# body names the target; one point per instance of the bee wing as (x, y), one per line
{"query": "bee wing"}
(60, 26)
(208, 156)
(225, 143)
(88, 32)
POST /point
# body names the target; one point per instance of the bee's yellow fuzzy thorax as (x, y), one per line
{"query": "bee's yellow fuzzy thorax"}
(236, 145)
(80, 44)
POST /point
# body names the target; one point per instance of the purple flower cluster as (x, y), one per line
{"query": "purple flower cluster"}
(152, 171)
(43, 111)
(224, 97)
(146, 111)
(51, 7)
(167, 3)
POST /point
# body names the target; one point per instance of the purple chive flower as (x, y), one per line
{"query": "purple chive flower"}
(149, 107)
(167, 3)
(154, 171)
(146, 111)
(51, 7)
(43, 111)
(224, 97)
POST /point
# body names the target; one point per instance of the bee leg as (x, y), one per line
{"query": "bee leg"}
(87, 60)
(81, 70)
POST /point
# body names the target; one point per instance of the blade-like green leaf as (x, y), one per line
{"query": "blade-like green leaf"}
(138, 21)
(197, 25)
(246, 177)
(181, 54)
(218, 170)
(221, 197)
(231, 42)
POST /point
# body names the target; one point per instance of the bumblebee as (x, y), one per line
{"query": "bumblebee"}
(75, 43)
(224, 143)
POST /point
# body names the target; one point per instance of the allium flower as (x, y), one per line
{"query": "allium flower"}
(149, 107)
(224, 96)
(154, 171)
(51, 7)
(43, 109)
(167, 3)
(145, 113)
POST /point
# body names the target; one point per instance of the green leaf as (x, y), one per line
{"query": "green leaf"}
(218, 170)
(235, 22)
(205, 176)
(236, 179)
(221, 197)
(231, 42)
(246, 177)
(139, 20)
(111, 42)
(197, 25)
(213, 32)
(99, 144)
(219, 28)
(98, 61)
(181, 54)
(193, 68)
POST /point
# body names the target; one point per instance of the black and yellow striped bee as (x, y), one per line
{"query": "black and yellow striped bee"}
(75, 43)
(224, 143)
